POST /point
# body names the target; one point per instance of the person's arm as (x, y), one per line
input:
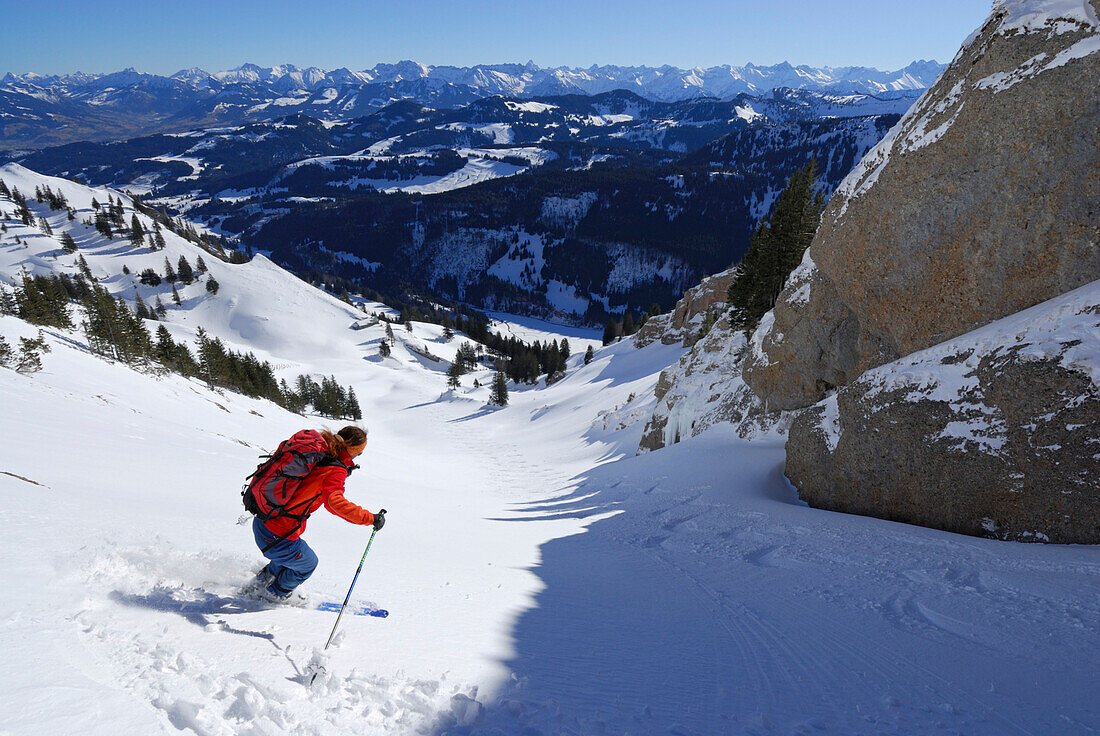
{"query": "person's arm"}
(332, 492)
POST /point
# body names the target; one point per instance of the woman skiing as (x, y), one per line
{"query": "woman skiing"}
(307, 470)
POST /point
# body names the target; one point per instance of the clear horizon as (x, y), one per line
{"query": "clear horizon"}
(218, 36)
(303, 67)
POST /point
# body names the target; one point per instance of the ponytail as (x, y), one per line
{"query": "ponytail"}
(350, 439)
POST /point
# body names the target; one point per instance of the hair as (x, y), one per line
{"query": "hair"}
(349, 436)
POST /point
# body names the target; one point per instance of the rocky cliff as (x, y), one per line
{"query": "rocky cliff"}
(996, 432)
(981, 202)
(705, 386)
(693, 315)
(939, 345)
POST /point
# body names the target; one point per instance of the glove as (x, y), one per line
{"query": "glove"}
(379, 520)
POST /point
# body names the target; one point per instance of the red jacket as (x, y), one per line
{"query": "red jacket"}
(326, 483)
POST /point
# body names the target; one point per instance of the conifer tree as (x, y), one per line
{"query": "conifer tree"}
(564, 348)
(140, 308)
(85, 269)
(160, 309)
(67, 243)
(21, 208)
(103, 224)
(776, 248)
(6, 352)
(384, 348)
(389, 331)
(95, 203)
(200, 267)
(448, 333)
(183, 268)
(454, 372)
(176, 296)
(164, 349)
(212, 357)
(158, 236)
(43, 301)
(352, 409)
(307, 388)
(30, 353)
(498, 395)
(7, 302)
(117, 214)
(291, 401)
(588, 355)
(610, 332)
(44, 226)
(169, 272)
(466, 357)
(212, 286)
(137, 232)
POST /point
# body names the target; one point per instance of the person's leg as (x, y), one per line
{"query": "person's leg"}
(297, 562)
(264, 538)
(291, 561)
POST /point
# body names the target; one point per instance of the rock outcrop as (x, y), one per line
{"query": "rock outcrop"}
(994, 433)
(704, 389)
(982, 201)
(692, 316)
(938, 392)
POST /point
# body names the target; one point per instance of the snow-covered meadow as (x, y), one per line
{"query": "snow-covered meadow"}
(540, 577)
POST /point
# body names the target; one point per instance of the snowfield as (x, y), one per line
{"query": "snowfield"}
(540, 577)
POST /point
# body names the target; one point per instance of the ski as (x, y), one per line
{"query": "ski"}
(357, 610)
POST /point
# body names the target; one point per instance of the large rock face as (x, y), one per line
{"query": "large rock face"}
(995, 433)
(982, 201)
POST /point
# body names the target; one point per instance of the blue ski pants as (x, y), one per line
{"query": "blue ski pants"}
(292, 560)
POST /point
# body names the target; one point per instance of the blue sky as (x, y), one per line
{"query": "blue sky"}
(163, 37)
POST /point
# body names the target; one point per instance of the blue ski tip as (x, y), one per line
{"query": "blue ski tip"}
(332, 607)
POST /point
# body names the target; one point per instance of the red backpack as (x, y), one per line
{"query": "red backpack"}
(270, 490)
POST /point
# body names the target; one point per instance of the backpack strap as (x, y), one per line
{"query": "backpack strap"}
(334, 462)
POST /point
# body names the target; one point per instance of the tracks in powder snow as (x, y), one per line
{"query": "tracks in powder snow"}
(680, 614)
(783, 651)
(218, 664)
(173, 633)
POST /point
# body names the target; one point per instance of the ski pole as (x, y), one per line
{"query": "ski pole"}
(348, 597)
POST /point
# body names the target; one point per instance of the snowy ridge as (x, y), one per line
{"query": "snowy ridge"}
(662, 83)
(128, 104)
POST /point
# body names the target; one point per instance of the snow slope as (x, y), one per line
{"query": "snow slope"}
(540, 578)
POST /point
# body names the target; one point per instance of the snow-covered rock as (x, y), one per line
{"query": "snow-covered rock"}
(996, 432)
(685, 323)
(704, 389)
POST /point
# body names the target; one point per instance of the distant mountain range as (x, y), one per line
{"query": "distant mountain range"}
(570, 207)
(38, 111)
